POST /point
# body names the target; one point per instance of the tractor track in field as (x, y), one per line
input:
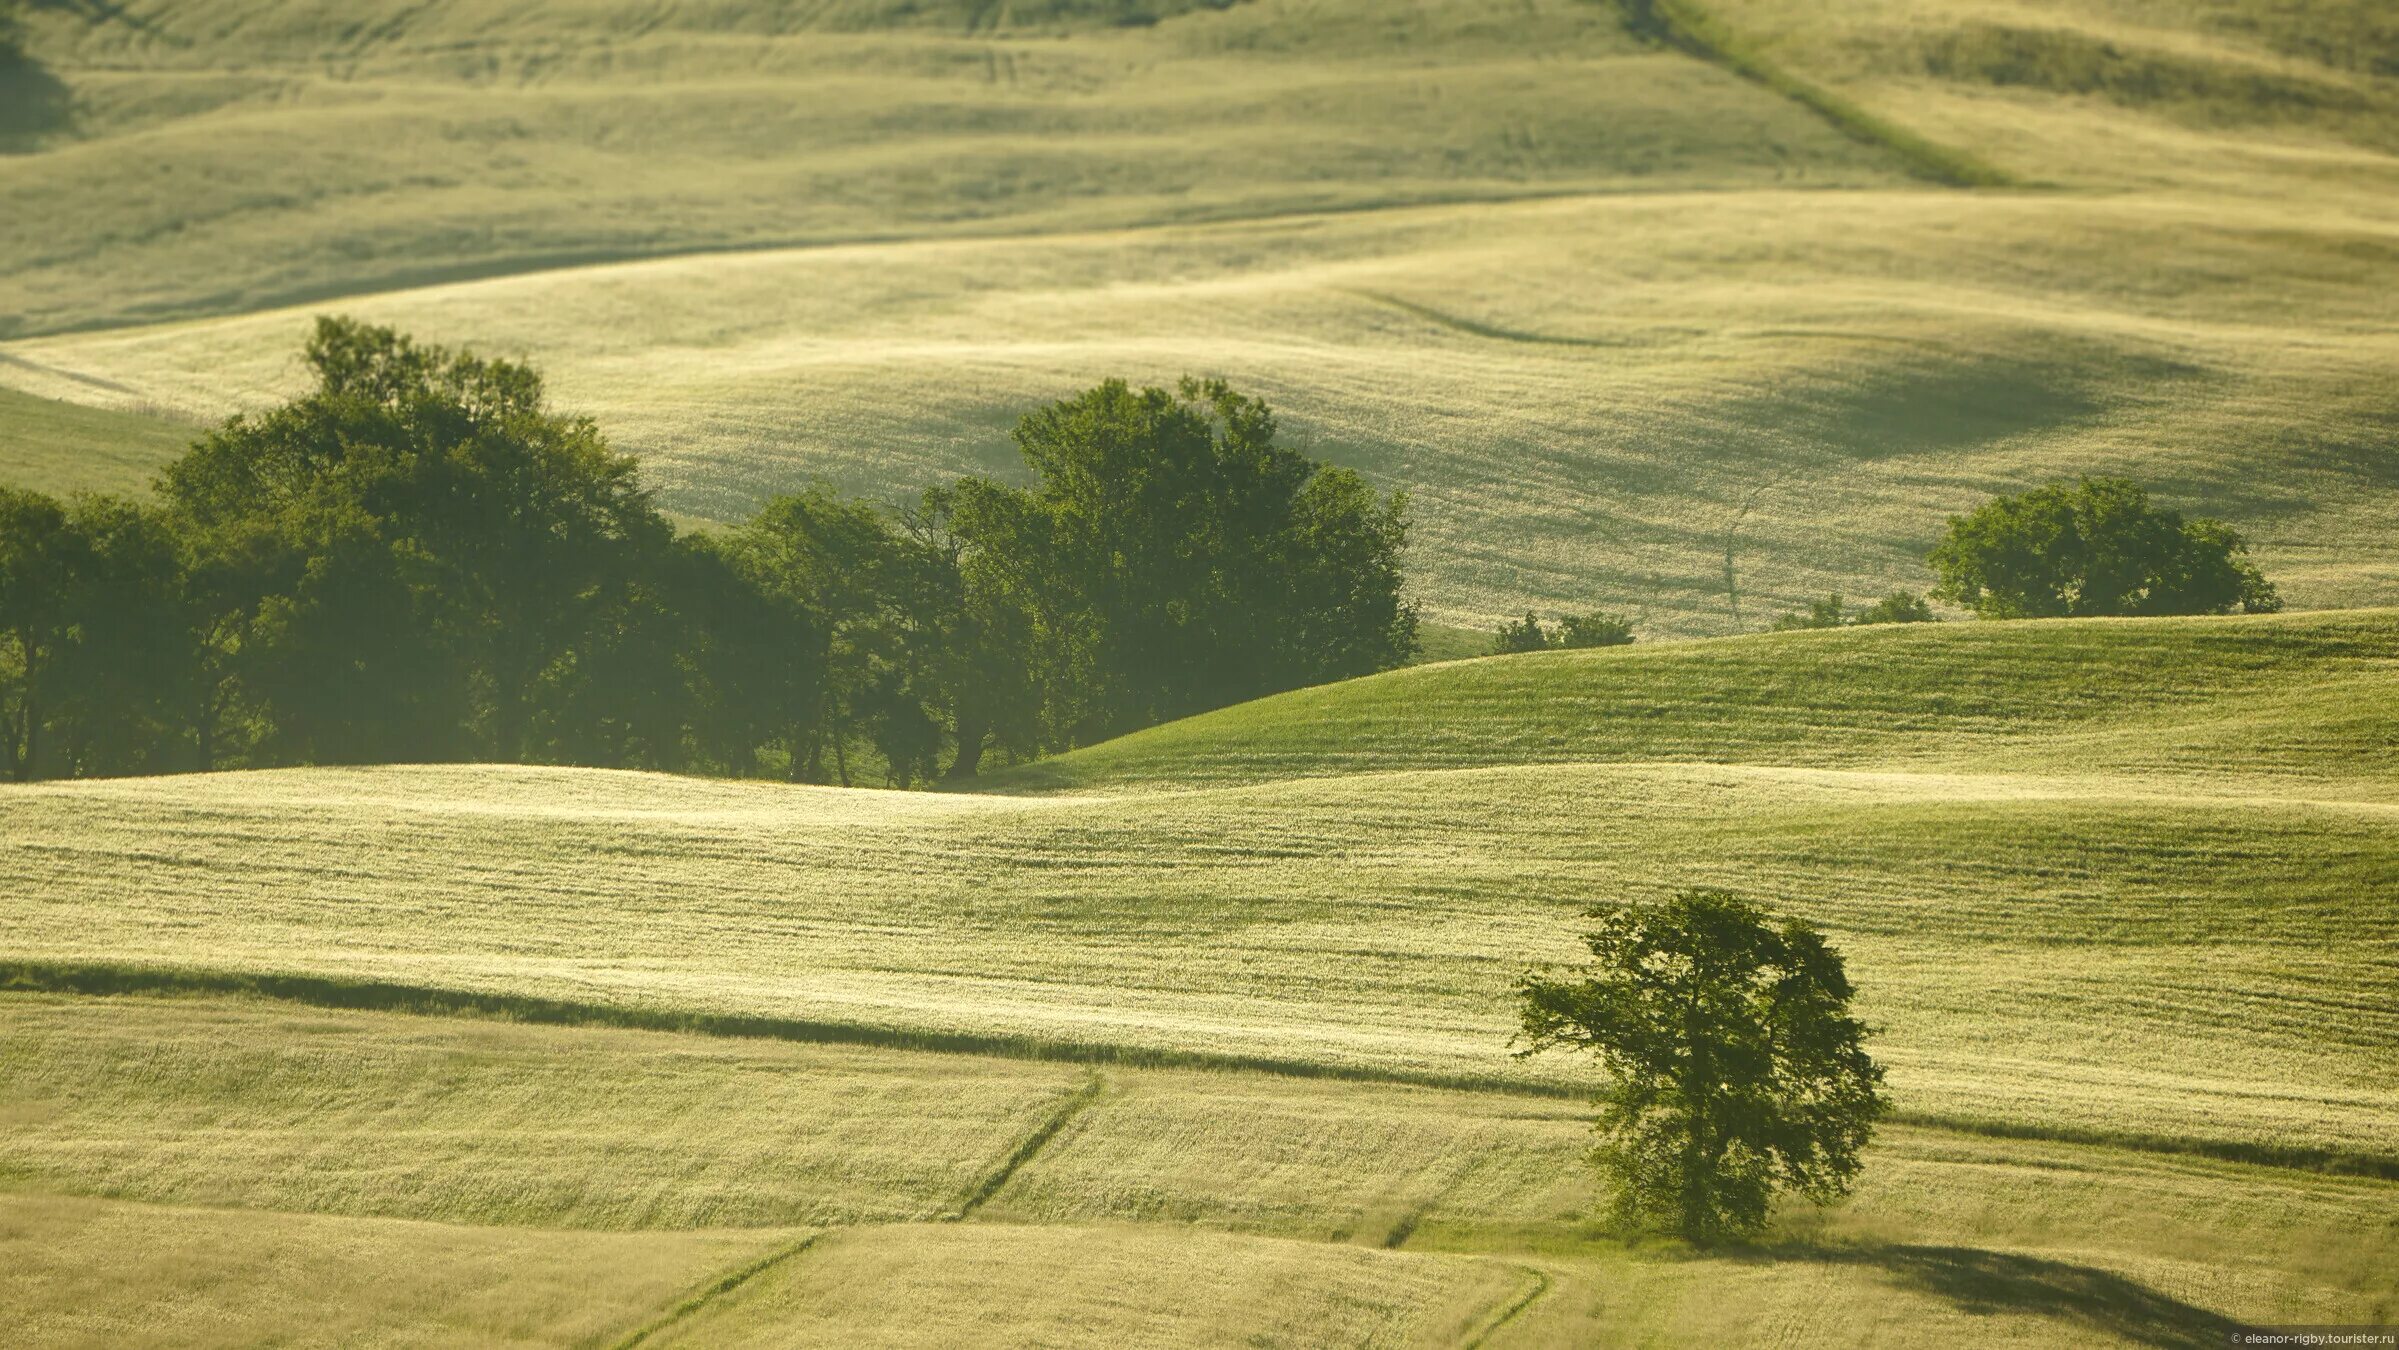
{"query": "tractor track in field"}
(1515, 1309)
(988, 1185)
(1684, 27)
(684, 1308)
(1074, 1104)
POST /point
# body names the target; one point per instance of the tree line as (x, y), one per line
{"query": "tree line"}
(420, 560)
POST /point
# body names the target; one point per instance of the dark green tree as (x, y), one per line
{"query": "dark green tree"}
(404, 563)
(1171, 557)
(731, 653)
(125, 673)
(974, 641)
(851, 595)
(418, 559)
(1595, 629)
(38, 557)
(1521, 635)
(1735, 1066)
(2095, 548)
(1331, 564)
(1829, 612)
(1895, 607)
(628, 694)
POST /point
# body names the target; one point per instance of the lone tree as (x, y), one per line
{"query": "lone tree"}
(2095, 548)
(1737, 1069)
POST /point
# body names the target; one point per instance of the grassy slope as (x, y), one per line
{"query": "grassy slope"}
(96, 1273)
(62, 448)
(2112, 975)
(1591, 395)
(2067, 917)
(469, 136)
(1294, 1183)
(2297, 696)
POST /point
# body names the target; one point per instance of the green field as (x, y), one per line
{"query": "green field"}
(2127, 938)
(63, 448)
(1610, 310)
(1693, 311)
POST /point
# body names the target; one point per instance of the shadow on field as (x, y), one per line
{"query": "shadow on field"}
(1984, 1282)
(33, 103)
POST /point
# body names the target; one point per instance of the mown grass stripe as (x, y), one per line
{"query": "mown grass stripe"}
(2289, 1157)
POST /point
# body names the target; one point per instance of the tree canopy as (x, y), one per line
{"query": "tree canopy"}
(1171, 557)
(2094, 548)
(1736, 1068)
(416, 559)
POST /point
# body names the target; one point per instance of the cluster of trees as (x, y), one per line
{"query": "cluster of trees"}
(420, 560)
(2094, 548)
(1833, 611)
(1596, 629)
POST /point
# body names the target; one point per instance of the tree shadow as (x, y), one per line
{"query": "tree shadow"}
(1985, 1282)
(33, 104)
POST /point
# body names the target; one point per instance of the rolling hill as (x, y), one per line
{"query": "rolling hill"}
(1658, 308)
(1269, 996)
(1693, 310)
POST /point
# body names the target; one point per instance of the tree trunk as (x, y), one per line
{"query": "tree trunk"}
(204, 724)
(16, 747)
(29, 714)
(1699, 1217)
(806, 765)
(971, 735)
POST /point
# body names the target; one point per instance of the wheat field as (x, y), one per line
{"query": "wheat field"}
(2137, 1010)
(1202, 1036)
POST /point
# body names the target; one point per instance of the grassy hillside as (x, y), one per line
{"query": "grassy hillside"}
(2058, 937)
(1692, 309)
(1656, 311)
(1137, 1218)
(469, 137)
(2294, 697)
(2122, 922)
(63, 448)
